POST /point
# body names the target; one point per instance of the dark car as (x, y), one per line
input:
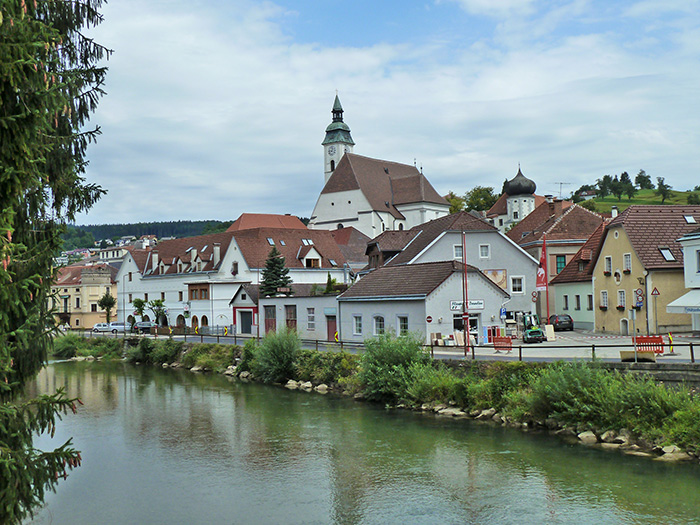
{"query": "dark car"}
(143, 327)
(561, 322)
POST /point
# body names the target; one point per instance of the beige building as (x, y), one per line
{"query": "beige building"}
(639, 270)
(77, 288)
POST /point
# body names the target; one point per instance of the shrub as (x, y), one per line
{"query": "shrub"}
(429, 382)
(141, 353)
(324, 367)
(166, 351)
(247, 356)
(683, 429)
(385, 366)
(274, 359)
(66, 346)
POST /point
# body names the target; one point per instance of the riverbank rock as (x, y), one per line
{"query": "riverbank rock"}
(674, 453)
(165, 365)
(608, 436)
(551, 423)
(487, 414)
(245, 376)
(196, 369)
(291, 385)
(452, 411)
(230, 371)
(588, 437)
(306, 386)
(438, 408)
(322, 388)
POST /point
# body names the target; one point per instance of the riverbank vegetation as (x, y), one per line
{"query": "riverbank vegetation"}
(397, 371)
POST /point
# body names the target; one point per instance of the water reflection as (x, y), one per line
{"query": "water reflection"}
(168, 446)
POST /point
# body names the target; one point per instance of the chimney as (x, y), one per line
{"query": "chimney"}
(154, 258)
(614, 211)
(217, 253)
(558, 206)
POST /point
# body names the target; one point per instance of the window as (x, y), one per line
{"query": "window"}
(290, 311)
(517, 285)
(561, 262)
(332, 165)
(131, 298)
(357, 325)
(179, 296)
(666, 252)
(162, 296)
(627, 262)
(500, 222)
(77, 322)
(205, 294)
(282, 243)
(697, 260)
(604, 298)
(332, 261)
(270, 241)
(234, 268)
(311, 319)
(484, 251)
(689, 219)
(145, 297)
(129, 276)
(581, 266)
(577, 302)
(378, 325)
(590, 302)
(621, 299)
(77, 302)
(93, 307)
(403, 324)
(458, 251)
(515, 214)
(243, 297)
(313, 263)
(566, 302)
(608, 265)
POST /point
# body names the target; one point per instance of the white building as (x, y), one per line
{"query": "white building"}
(690, 302)
(368, 194)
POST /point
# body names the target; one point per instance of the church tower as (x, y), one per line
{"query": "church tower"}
(337, 142)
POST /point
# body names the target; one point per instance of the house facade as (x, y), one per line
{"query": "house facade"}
(77, 289)
(689, 303)
(639, 270)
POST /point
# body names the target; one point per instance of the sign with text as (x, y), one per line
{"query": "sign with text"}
(473, 304)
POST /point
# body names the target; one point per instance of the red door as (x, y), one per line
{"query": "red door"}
(332, 327)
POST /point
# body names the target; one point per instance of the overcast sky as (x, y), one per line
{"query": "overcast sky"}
(219, 107)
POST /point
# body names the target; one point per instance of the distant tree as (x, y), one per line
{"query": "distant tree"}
(604, 185)
(625, 178)
(617, 188)
(139, 307)
(643, 181)
(216, 228)
(662, 189)
(106, 303)
(456, 202)
(589, 205)
(275, 274)
(629, 190)
(696, 188)
(693, 198)
(479, 198)
(157, 306)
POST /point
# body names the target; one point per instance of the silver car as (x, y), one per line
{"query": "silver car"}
(119, 327)
(101, 327)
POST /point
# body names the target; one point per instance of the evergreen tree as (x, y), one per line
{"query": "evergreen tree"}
(275, 274)
(643, 181)
(106, 303)
(49, 85)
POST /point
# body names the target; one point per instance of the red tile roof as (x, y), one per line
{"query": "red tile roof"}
(580, 267)
(352, 244)
(72, 275)
(385, 184)
(248, 221)
(650, 228)
(560, 220)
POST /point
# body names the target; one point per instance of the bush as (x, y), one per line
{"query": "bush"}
(274, 359)
(683, 429)
(385, 366)
(66, 346)
(210, 355)
(141, 353)
(250, 348)
(324, 367)
(166, 351)
(431, 382)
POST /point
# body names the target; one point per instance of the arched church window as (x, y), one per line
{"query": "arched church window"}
(340, 225)
(400, 226)
(332, 165)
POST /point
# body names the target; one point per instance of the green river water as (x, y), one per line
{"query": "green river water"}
(173, 447)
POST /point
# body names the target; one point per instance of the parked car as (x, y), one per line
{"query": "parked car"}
(119, 327)
(561, 322)
(101, 327)
(143, 327)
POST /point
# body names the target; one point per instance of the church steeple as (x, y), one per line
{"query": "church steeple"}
(338, 140)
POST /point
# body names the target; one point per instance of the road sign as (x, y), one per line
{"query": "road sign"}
(655, 292)
(336, 337)
(465, 316)
(639, 292)
(503, 313)
(639, 304)
(429, 319)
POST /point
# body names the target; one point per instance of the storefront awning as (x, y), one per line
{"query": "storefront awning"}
(686, 304)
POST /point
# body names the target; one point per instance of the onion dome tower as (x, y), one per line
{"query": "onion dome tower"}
(337, 142)
(520, 185)
(521, 197)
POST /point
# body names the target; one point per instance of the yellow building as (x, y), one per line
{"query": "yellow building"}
(77, 289)
(639, 270)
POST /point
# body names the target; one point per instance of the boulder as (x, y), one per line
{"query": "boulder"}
(671, 449)
(230, 371)
(497, 418)
(165, 365)
(359, 396)
(196, 369)
(487, 414)
(244, 375)
(677, 455)
(306, 386)
(588, 437)
(474, 413)
(609, 436)
(322, 388)
(452, 411)
(551, 423)
(438, 408)
(291, 385)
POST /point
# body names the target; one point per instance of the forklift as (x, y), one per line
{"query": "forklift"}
(532, 333)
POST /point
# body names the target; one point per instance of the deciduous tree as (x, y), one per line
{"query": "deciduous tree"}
(479, 198)
(662, 189)
(49, 86)
(106, 303)
(643, 181)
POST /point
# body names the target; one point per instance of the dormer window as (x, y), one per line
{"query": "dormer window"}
(689, 219)
(282, 243)
(270, 241)
(333, 263)
(313, 263)
(666, 252)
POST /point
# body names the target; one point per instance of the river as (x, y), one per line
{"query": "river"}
(174, 447)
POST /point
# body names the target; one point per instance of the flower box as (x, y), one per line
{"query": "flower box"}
(621, 308)
(607, 274)
(603, 308)
(627, 271)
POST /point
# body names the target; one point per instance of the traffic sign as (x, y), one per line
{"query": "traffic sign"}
(655, 292)
(429, 319)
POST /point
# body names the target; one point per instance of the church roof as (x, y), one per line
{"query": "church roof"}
(385, 184)
(520, 185)
(337, 131)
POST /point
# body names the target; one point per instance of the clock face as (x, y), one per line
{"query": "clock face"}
(331, 150)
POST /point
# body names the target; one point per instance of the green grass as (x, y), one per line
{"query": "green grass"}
(646, 197)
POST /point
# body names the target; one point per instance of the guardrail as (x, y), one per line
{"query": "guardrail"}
(518, 349)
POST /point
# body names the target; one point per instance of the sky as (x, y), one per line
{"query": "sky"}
(216, 108)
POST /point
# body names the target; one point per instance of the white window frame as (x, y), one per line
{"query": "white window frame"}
(627, 262)
(604, 298)
(311, 319)
(399, 330)
(667, 254)
(521, 278)
(376, 321)
(356, 325)
(697, 260)
(577, 302)
(488, 251)
(589, 307)
(622, 298)
(457, 251)
(608, 264)
(566, 302)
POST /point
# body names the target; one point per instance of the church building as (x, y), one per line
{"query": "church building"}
(370, 195)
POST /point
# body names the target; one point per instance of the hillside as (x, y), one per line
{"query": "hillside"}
(605, 204)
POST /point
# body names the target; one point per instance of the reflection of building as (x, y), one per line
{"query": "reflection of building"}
(371, 195)
(640, 266)
(77, 288)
